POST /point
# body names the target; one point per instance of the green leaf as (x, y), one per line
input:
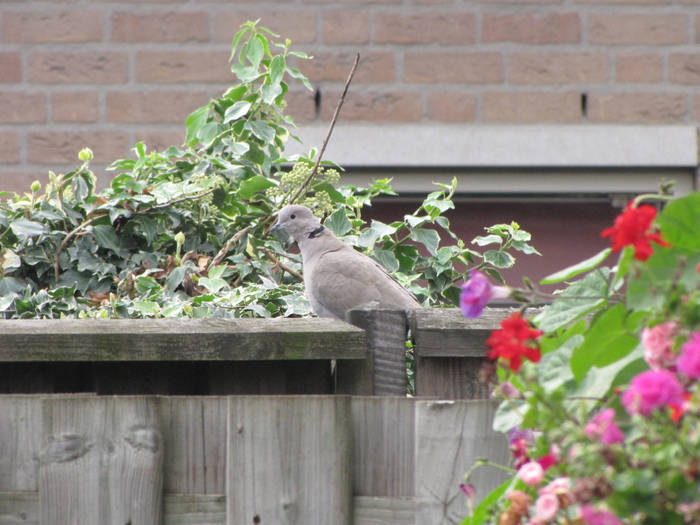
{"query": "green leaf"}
(510, 414)
(608, 339)
(679, 222)
(25, 228)
(525, 248)
(261, 129)
(576, 269)
(488, 239)
(338, 222)
(175, 278)
(194, 123)
(554, 370)
(11, 285)
(376, 231)
(578, 299)
(253, 185)
(597, 381)
(499, 259)
(428, 238)
(238, 110)
(277, 68)
(106, 236)
(256, 50)
(387, 259)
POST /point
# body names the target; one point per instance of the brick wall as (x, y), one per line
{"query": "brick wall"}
(105, 74)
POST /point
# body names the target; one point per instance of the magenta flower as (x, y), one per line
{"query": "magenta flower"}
(689, 361)
(658, 345)
(476, 292)
(603, 428)
(650, 390)
(591, 516)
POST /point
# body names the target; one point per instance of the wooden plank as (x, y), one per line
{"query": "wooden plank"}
(383, 371)
(194, 444)
(301, 377)
(20, 435)
(100, 461)
(442, 332)
(289, 460)
(383, 511)
(450, 437)
(19, 508)
(179, 339)
(384, 443)
(450, 377)
(194, 509)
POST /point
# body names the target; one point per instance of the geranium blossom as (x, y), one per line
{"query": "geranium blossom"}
(603, 428)
(477, 291)
(513, 342)
(592, 516)
(632, 228)
(689, 360)
(658, 344)
(546, 507)
(651, 390)
(531, 473)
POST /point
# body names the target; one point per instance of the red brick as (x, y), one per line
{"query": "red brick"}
(160, 140)
(345, 27)
(451, 106)
(425, 28)
(531, 107)
(22, 107)
(80, 67)
(684, 68)
(558, 68)
(19, 180)
(39, 26)
(453, 68)
(638, 108)
(554, 28)
(183, 66)
(336, 67)
(696, 109)
(298, 24)
(153, 106)
(166, 26)
(301, 105)
(54, 147)
(639, 68)
(374, 106)
(355, 2)
(632, 29)
(9, 149)
(10, 67)
(630, 2)
(74, 106)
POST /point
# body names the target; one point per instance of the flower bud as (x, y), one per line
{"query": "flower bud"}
(85, 154)
(36, 186)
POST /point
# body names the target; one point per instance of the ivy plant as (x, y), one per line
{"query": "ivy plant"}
(183, 232)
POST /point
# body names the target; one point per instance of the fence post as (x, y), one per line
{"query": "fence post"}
(383, 371)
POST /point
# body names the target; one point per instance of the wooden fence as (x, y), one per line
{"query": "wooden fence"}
(149, 422)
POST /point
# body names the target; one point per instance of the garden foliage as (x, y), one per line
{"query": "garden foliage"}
(183, 232)
(601, 399)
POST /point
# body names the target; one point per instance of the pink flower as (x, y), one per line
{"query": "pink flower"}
(477, 291)
(658, 344)
(604, 428)
(561, 488)
(531, 473)
(689, 361)
(547, 461)
(650, 390)
(546, 507)
(591, 516)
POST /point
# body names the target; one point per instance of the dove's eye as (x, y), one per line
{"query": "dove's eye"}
(293, 216)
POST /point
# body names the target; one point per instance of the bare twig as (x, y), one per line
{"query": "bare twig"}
(328, 135)
(227, 247)
(279, 263)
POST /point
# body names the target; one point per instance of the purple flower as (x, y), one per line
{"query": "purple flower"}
(652, 389)
(604, 428)
(591, 516)
(689, 361)
(477, 291)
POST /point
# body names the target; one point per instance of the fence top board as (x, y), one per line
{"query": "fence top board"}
(179, 339)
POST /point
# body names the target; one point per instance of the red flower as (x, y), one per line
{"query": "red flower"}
(510, 342)
(632, 229)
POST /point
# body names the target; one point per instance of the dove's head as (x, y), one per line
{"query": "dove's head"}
(297, 221)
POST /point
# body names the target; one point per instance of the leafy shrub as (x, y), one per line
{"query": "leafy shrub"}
(182, 232)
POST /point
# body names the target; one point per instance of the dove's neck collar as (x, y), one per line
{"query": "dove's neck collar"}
(318, 231)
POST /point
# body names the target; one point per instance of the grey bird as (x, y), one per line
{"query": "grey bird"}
(338, 278)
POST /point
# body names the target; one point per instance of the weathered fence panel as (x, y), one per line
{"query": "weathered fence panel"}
(232, 460)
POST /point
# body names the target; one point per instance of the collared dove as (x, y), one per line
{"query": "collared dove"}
(337, 277)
